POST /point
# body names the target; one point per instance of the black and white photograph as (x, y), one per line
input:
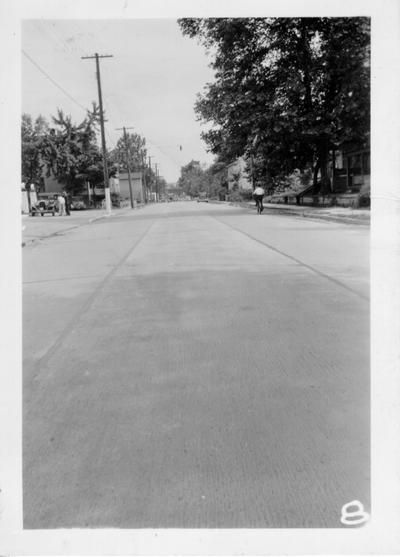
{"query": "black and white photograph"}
(206, 276)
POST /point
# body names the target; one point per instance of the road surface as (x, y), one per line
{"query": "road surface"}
(196, 366)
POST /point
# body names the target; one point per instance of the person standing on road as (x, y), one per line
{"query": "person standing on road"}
(61, 205)
(258, 195)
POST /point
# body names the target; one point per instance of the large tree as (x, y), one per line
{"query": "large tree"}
(32, 137)
(191, 179)
(195, 180)
(287, 91)
(71, 153)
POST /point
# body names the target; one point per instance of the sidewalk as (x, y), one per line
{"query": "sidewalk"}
(37, 228)
(335, 214)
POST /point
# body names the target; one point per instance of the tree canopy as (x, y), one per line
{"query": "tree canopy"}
(67, 151)
(70, 152)
(196, 180)
(191, 178)
(32, 136)
(286, 92)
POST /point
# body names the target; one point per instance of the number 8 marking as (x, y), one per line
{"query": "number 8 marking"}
(357, 516)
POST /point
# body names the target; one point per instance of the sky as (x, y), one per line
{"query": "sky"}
(150, 83)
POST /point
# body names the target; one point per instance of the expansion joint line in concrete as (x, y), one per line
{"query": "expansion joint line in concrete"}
(298, 261)
(86, 306)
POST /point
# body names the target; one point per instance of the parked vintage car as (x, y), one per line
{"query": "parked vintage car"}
(46, 204)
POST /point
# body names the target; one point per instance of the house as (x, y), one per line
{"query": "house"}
(351, 175)
(237, 176)
(28, 197)
(350, 178)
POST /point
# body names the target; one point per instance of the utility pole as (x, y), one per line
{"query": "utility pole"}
(157, 193)
(103, 137)
(150, 173)
(162, 185)
(128, 166)
(144, 180)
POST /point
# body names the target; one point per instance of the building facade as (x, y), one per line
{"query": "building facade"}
(350, 181)
(138, 187)
(352, 172)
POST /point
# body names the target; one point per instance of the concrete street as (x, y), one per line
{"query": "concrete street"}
(194, 366)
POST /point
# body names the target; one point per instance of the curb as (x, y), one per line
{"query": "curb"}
(335, 218)
(345, 219)
(97, 218)
(122, 211)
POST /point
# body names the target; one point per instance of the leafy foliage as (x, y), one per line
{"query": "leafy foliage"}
(32, 134)
(286, 92)
(67, 151)
(195, 180)
(191, 178)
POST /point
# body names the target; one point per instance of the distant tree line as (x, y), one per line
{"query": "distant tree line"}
(196, 179)
(287, 91)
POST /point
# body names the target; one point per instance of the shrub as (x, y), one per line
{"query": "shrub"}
(235, 196)
(247, 195)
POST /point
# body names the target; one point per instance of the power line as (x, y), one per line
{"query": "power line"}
(63, 90)
(51, 33)
(54, 82)
(168, 156)
(86, 110)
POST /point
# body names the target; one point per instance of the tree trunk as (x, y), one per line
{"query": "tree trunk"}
(324, 165)
(315, 172)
